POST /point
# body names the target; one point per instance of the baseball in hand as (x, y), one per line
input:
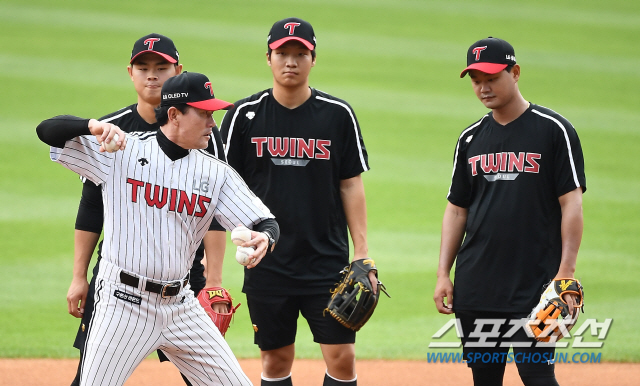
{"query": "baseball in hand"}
(240, 234)
(112, 146)
(243, 255)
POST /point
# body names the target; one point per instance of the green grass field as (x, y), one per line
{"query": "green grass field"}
(397, 63)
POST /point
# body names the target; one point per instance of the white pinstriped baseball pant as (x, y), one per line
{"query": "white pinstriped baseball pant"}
(122, 333)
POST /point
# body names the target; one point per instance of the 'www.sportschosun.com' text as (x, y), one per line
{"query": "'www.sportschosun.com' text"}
(488, 357)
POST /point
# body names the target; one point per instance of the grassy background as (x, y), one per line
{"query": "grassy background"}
(397, 63)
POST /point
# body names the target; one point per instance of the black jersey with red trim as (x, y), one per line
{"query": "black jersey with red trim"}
(90, 212)
(294, 160)
(510, 177)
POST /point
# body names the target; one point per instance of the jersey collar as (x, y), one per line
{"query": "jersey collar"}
(173, 151)
(311, 98)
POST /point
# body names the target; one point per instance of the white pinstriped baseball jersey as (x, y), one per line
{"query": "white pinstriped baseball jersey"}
(157, 210)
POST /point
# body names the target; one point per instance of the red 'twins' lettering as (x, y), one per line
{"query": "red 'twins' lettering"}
(179, 200)
(505, 162)
(293, 147)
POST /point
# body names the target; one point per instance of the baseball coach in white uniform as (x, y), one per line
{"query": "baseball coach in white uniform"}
(160, 193)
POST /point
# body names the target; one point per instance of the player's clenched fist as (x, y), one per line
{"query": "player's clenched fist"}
(110, 137)
(77, 296)
(443, 295)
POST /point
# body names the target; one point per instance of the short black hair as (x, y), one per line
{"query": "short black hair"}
(162, 116)
(313, 53)
(509, 67)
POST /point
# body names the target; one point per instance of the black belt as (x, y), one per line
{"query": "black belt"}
(166, 290)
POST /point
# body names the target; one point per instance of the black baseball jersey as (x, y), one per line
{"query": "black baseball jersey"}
(294, 160)
(509, 178)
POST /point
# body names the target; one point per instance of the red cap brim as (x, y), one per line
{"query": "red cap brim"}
(211, 105)
(489, 68)
(280, 42)
(169, 58)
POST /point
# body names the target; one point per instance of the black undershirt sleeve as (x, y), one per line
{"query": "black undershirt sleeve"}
(90, 211)
(270, 226)
(58, 130)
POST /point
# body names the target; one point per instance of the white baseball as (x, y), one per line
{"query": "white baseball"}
(243, 255)
(240, 235)
(112, 146)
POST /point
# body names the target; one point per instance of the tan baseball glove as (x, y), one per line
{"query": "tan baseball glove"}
(550, 318)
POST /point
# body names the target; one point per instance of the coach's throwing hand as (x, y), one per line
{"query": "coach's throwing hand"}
(104, 133)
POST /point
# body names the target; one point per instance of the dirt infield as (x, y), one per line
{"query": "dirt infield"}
(60, 372)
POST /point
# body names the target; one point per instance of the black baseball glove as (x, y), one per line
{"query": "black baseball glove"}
(353, 300)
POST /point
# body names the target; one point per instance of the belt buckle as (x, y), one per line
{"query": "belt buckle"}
(163, 293)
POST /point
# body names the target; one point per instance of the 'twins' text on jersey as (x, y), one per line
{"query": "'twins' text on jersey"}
(505, 162)
(179, 200)
(284, 150)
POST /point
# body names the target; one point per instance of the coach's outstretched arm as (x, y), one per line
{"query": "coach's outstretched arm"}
(58, 130)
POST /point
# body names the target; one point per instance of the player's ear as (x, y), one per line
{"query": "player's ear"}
(172, 114)
(178, 69)
(268, 59)
(130, 71)
(515, 72)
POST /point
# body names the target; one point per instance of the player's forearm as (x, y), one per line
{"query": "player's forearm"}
(453, 226)
(355, 210)
(214, 247)
(58, 130)
(269, 226)
(571, 230)
(84, 245)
